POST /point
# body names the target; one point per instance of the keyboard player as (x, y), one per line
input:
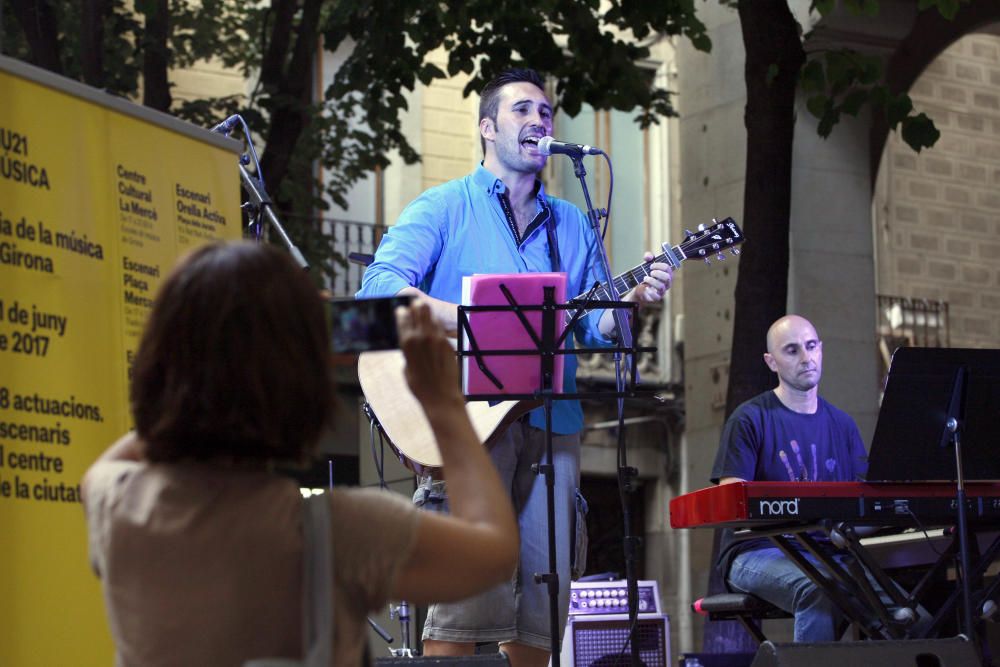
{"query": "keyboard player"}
(788, 434)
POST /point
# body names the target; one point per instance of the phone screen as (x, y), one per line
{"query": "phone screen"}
(361, 325)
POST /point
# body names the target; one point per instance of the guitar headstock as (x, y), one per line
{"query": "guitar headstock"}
(712, 240)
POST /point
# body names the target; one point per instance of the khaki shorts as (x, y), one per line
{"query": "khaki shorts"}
(518, 610)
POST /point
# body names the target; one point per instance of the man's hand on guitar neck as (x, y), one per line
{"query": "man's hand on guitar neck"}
(655, 285)
(650, 290)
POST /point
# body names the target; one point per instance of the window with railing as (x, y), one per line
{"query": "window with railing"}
(905, 322)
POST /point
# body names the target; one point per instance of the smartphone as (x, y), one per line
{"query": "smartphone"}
(361, 325)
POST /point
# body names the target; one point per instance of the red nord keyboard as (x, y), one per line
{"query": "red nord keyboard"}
(748, 504)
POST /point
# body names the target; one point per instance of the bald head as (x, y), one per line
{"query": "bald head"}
(795, 354)
(789, 324)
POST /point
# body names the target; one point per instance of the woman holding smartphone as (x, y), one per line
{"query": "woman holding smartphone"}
(198, 543)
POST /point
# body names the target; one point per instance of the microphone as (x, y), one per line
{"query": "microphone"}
(226, 126)
(549, 146)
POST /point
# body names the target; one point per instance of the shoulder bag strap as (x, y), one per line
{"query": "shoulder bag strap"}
(317, 598)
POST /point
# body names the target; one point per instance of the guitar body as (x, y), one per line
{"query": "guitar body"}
(402, 420)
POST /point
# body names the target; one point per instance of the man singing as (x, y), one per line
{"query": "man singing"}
(498, 220)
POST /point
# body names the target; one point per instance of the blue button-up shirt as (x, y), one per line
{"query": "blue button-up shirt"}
(459, 229)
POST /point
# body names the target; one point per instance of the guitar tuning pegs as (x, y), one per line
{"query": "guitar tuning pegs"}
(720, 257)
(708, 261)
(701, 227)
(714, 221)
(688, 232)
(735, 251)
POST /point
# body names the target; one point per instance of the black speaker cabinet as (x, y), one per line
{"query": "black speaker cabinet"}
(602, 641)
(954, 652)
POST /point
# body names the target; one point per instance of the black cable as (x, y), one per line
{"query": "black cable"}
(624, 473)
(920, 527)
(611, 189)
(375, 456)
(381, 459)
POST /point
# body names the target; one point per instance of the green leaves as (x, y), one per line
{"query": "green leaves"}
(812, 78)
(428, 72)
(862, 7)
(824, 7)
(947, 8)
(844, 81)
(919, 132)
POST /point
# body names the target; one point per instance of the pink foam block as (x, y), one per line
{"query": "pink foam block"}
(503, 330)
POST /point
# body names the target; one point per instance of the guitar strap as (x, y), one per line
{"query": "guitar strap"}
(550, 230)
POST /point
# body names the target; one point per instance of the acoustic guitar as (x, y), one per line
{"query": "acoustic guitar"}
(399, 416)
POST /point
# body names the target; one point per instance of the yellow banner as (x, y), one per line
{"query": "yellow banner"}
(97, 200)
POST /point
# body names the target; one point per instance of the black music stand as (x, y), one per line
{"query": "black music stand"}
(909, 442)
(937, 422)
(547, 344)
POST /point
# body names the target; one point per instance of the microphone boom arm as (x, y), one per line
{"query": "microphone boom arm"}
(260, 206)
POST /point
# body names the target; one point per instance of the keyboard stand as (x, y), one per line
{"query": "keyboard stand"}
(852, 592)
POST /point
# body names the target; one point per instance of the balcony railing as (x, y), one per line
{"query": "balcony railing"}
(350, 237)
(653, 367)
(905, 322)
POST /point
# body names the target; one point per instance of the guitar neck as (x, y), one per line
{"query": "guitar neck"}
(703, 243)
(672, 257)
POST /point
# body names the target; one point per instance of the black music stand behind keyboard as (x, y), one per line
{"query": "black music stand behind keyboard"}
(907, 445)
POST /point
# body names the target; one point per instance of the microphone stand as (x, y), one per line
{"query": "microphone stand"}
(951, 428)
(626, 474)
(259, 205)
(594, 217)
(402, 612)
(963, 534)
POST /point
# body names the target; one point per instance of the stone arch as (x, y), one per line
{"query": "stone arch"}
(931, 34)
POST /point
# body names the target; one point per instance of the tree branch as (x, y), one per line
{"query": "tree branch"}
(92, 41)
